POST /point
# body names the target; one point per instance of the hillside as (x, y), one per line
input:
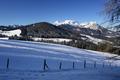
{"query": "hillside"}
(65, 29)
(50, 51)
(88, 35)
(25, 61)
(47, 30)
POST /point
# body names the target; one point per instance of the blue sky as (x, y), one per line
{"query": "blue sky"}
(30, 11)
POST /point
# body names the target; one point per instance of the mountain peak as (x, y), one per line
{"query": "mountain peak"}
(91, 25)
(68, 21)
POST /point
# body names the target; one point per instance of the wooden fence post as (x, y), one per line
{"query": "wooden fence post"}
(110, 65)
(73, 65)
(60, 66)
(8, 61)
(45, 65)
(95, 64)
(103, 64)
(84, 64)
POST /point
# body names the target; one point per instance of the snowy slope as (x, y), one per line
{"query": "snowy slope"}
(49, 51)
(26, 62)
(11, 33)
(52, 39)
(93, 40)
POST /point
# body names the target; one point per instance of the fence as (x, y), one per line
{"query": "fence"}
(49, 64)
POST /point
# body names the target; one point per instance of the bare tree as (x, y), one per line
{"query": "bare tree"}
(112, 10)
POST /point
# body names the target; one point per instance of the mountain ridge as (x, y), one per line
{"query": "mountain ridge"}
(66, 29)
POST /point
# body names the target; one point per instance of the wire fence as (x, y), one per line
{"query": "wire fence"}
(46, 65)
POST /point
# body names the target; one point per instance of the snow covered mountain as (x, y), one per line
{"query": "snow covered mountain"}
(68, 22)
(90, 25)
(88, 28)
(68, 29)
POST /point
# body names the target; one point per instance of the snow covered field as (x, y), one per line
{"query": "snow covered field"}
(26, 62)
(52, 39)
(16, 32)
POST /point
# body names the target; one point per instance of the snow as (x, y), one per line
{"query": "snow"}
(4, 38)
(92, 39)
(85, 74)
(27, 58)
(69, 22)
(39, 49)
(109, 36)
(11, 33)
(48, 51)
(52, 39)
(85, 23)
(91, 25)
(114, 29)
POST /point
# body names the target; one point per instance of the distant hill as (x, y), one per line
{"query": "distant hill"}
(47, 30)
(69, 29)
